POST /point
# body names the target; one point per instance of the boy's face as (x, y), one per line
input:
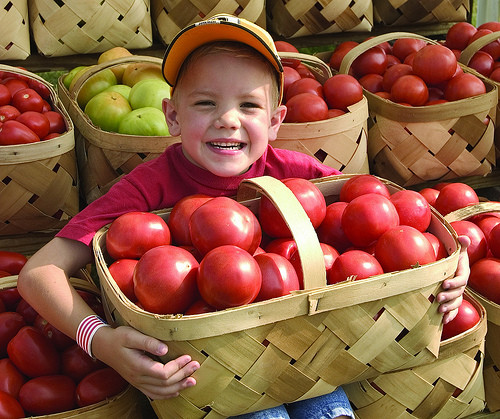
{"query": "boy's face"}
(223, 112)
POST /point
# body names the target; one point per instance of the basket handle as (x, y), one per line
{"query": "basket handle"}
(471, 49)
(311, 255)
(469, 211)
(320, 69)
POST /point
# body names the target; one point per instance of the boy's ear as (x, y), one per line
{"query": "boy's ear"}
(174, 127)
(276, 120)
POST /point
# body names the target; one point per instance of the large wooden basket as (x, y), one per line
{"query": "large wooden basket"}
(14, 30)
(67, 28)
(104, 157)
(450, 387)
(492, 360)
(417, 12)
(309, 17)
(301, 345)
(39, 182)
(171, 16)
(412, 145)
(339, 142)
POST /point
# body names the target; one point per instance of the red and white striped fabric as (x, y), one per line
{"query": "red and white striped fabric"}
(86, 331)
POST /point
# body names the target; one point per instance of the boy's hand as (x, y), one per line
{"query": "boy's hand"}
(451, 298)
(125, 348)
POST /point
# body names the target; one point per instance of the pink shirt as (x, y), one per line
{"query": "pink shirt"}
(161, 182)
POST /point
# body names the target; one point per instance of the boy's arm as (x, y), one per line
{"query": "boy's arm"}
(43, 283)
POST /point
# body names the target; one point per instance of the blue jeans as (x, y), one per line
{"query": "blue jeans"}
(328, 406)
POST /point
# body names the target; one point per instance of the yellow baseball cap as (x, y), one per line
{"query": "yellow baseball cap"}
(221, 27)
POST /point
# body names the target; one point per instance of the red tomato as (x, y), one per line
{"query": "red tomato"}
(76, 363)
(305, 85)
(40, 88)
(333, 113)
(229, 277)
(494, 240)
(403, 247)
(455, 196)
(495, 74)
(486, 224)
(35, 121)
(134, 233)
(404, 46)
(373, 61)
(10, 324)
(8, 112)
(287, 47)
(393, 73)
(435, 94)
(392, 60)
(290, 75)
(46, 106)
(284, 247)
(198, 307)
(430, 195)
(56, 120)
(439, 247)
(122, 271)
(360, 185)
(413, 209)
(478, 246)
(306, 107)
(342, 91)
(165, 280)
(434, 64)
(14, 84)
(10, 408)
(372, 82)
(48, 394)
(466, 318)
(367, 217)
(11, 380)
(330, 231)
(339, 53)
(463, 86)
(329, 256)
(33, 353)
(278, 276)
(482, 62)
(2, 305)
(12, 262)
(410, 89)
(355, 265)
(492, 26)
(10, 298)
(5, 95)
(13, 132)
(24, 309)
(459, 34)
(99, 385)
(221, 221)
(178, 221)
(27, 100)
(60, 340)
(308, 195)
(485, 278)
(304, 71)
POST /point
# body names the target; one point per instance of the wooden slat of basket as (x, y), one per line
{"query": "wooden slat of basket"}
(14, 30)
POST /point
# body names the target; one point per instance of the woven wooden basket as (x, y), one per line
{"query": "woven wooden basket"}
(38, 181)
(308, 17)
(72, 27)
(492, 360)
(298, 346)
(450, 387)
(171, 16)
(104, 157)
(339, 142)
(14, 30)
(412, 145)
(417, 12)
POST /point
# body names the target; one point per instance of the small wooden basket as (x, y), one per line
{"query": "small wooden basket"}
(171, 16)
(492, 360)
(418, 12)
(415, 144)
(309, 17)
(301, 345)
(14, 30)
(38, 181)
(104, 157)
(71, 27)
(450, 387)
(339, 142)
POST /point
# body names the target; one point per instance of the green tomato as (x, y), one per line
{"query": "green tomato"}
(123, 89)
(94, 85)
(68, 78)
(144, 121)
(107, 109)
(149, 93)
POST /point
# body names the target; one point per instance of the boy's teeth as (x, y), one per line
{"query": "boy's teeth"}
(234, 145)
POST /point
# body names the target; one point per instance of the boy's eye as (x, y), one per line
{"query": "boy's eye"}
(204, 103)
(250, 105)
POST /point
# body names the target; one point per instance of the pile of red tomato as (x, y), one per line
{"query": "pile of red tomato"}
(307, 99)
(43, 371)
(26, 114)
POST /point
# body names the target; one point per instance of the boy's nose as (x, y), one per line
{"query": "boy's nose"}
(228, 119)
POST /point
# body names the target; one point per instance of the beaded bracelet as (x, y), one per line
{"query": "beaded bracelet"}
(86, 331)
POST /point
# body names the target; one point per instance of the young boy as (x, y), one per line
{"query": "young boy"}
(227, 84)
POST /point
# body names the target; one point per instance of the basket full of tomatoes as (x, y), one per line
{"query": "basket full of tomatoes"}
(328, 318)
(38, 170)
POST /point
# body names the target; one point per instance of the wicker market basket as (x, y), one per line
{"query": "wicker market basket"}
(171, 16)
(339, 142)
(39, 182)
(414, 144)
(129, 404)
(302, 345)
(104, 157)
(309, 17)
(14, 30)
(492, 360)
(417, 12)
(72, 27)
(450, 387)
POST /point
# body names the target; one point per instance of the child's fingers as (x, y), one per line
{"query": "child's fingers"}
(450, 315)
